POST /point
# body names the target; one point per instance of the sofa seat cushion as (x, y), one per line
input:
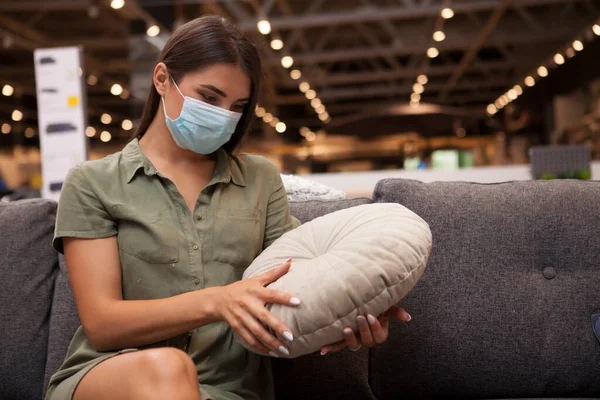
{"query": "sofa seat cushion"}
(352, 262)
(27, 272)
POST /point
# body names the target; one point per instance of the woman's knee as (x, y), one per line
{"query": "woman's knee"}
(167, 371)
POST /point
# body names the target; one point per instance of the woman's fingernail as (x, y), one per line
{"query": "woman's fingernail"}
(284, 351)
(409, 317)
(289, 260)
(371, 319)
(273, 354)
(348, 332)
(288, 336)
(361, 320)
(295, 301)
(323, 352)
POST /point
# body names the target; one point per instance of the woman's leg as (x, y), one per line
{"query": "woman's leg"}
(162, 373)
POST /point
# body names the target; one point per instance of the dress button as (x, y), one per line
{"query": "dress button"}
(549, 273)
(195, 247)
(196, 281)
(198, 217)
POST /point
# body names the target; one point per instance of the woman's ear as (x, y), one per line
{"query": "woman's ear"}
(161, 79)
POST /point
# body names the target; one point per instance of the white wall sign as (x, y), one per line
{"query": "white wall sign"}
(61, 99)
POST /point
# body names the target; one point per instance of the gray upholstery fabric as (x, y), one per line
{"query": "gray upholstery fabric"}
(64, 321)
(335, 376)
(27, 271)
(308, 210)
(504, 308)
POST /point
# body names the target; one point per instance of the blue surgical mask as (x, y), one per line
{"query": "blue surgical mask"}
(201, 127)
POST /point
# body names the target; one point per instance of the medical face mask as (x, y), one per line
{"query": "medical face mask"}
(201, 127)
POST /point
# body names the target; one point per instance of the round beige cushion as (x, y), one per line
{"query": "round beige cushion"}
(356, 261)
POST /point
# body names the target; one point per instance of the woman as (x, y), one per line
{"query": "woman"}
(156, 238)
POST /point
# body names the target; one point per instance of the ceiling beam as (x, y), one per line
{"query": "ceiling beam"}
(379, 76)
(374, 14)
(386, 90)
(450, 44)
(44, 5)
(470, 55)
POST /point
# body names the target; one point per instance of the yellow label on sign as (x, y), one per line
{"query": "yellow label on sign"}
(73, 101)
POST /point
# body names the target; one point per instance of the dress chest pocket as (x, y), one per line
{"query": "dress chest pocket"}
(150, 236)
(237, 238)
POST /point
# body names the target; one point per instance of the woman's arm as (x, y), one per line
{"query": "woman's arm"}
(113, 323)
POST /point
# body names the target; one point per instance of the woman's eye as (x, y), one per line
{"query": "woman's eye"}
(239, 107)
(208, 97)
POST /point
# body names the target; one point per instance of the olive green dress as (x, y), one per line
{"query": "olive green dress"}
(166, 251)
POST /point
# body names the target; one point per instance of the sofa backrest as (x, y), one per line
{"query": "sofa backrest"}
(504, 308)
(27, 271)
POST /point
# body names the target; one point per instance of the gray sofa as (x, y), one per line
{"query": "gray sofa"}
(503, 311)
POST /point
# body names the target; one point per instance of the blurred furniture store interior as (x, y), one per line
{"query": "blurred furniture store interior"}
(354, 91)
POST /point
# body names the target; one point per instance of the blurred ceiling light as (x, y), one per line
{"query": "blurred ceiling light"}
(260, 112)
(280, 127)
(498, 104)
(117, 4)
(93, 12)
(415, 97)
(153, 31)
(570, 52)
(29, 132)
(125, 94)
(324, 116)
(596, 29)
(6, 128)
(518, 89)
(542, 71)
(439, 36)
(504, 100)
(512, 94)
(116, 89)
(92, 80)
(274, 122)
(106, 119)
(447, 13)
(422, 79)
(432, 52)
(311, 136)
(287, 61)
(264, 26)
(8, 90)
(578, 45)
(90, 131)
(105, 136)
(127, 125)
(295, 74)
(311, 94)
(414, 104)
(529, 81)
(559, 59)
(304, 87)
(17, 115)
(277, 44)
(303, 131)
(320, 109)
(418, 88)
(268, 117)
(316, 102)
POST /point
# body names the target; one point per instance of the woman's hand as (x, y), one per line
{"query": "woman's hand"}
(242, 306)
(371, 331)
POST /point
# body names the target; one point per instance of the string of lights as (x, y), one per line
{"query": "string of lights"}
(432, 52)
(543, 70)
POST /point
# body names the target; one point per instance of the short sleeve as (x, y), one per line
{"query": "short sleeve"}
(80, 214)
(279, 219)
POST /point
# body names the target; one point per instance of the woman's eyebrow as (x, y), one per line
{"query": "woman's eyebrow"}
(215, 89)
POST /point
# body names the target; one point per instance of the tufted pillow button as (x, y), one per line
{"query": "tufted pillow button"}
(549, 273)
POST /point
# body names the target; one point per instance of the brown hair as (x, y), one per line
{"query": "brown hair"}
(198, 44)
